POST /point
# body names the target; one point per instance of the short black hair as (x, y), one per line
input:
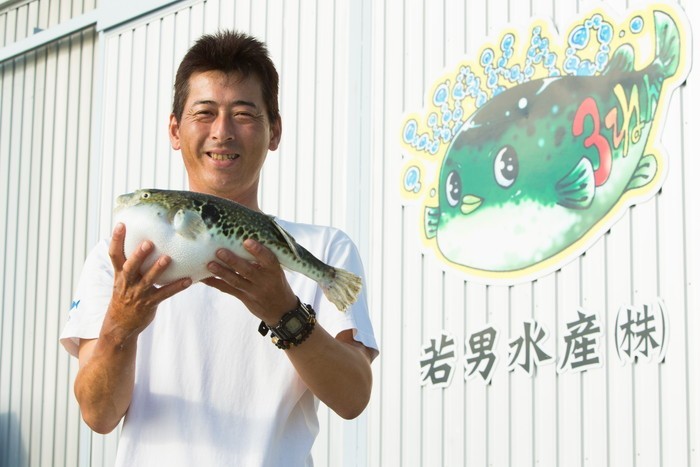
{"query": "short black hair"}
(229, 52)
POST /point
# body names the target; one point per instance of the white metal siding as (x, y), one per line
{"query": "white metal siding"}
(21, 19)
(643, 414)
(45, 114)
(349, 72)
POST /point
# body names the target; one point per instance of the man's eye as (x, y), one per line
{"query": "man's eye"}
(245, 117)
(202, 114)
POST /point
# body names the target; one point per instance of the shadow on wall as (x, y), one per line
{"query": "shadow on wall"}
(12, 451)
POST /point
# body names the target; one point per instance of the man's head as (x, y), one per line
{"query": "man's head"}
(229, 52)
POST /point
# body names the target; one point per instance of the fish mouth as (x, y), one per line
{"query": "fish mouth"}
(470, 203)
(122, 202)
(222, 157)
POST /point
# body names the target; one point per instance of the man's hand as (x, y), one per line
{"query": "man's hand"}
(135, 297)
(105, 380)
(260, 284)
(335, 368)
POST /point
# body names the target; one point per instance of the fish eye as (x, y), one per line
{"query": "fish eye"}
(145, 195)
(506, 166)
(453, 188)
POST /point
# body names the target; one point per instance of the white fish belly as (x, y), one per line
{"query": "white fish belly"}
(190, 256)
(506, 238)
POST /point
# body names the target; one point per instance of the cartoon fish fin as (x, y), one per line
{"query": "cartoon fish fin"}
(432, 216)
(622, 60)
(287, 237)
(667, 44)
(188, 224)
(644, 173)
(577, 188)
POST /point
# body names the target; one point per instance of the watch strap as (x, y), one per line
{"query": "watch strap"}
(293, 328)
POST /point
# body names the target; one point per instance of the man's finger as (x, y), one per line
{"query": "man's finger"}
(116, 247)
(232, 276)
(151, 276)
(132, 265)
(220, 285)
(263, 256)
(172, 288)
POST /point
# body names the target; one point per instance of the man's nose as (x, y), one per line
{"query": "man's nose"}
(223, 128)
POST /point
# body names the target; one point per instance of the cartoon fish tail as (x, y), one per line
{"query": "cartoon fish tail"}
(667, 44)
(431, 221)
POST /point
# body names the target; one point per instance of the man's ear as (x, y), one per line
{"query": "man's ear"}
(275, 134)
(174, 131)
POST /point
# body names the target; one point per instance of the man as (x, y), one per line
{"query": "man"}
(184, 364)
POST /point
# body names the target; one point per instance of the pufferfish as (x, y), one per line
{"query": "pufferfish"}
(190, 227)
(537, 166)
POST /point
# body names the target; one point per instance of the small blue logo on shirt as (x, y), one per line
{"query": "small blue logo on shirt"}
(74, 304)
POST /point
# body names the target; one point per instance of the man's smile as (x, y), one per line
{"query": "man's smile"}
(222, 157)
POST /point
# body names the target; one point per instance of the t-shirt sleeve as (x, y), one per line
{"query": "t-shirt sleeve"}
(343, 253)
(92, 296)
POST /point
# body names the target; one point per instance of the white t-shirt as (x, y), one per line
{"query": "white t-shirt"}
(210, 390)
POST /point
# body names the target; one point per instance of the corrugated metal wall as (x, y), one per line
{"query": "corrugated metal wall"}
(22, 19)
(45, 114)
(641, 414)
(350, 70)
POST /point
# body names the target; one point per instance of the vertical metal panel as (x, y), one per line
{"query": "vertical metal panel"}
(339, 134)
(614, 415)
(20, 20)
(44, 142)
(689, 267)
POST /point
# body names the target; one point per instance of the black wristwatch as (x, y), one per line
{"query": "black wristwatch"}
(294, 327)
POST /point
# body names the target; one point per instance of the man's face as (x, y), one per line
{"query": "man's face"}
(224, 135)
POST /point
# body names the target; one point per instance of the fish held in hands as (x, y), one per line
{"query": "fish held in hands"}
(190, 227)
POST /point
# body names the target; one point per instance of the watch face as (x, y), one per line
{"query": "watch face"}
(294, 325)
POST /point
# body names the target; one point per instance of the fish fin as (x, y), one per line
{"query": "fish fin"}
(431, 221)
(188, 224)
(622, 60)
(287, 237)
(577, 188)
(667, 44)
(343, 289)
(644, 173)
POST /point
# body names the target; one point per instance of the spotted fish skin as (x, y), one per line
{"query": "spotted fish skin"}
(190, 227)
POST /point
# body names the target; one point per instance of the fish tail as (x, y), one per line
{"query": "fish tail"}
(342, 288)
(667, 44)
(431, 221)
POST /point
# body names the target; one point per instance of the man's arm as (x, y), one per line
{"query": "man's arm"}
(336, 369)
(105, 379)
(104, 382)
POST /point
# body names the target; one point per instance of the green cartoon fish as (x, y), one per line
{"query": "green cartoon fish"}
(537, 166)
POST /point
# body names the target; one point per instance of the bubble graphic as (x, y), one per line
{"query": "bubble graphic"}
(487, 57)
(409, 131)
(636, 25)
(579, 37)
(605, 34)
(586, 52)
(432, 120)
(411, 179)
(441, 94)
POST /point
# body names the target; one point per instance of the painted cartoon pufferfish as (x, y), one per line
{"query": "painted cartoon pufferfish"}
(538, 165)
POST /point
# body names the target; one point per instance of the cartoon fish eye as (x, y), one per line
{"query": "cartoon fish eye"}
(505, 167)
(453, 188)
